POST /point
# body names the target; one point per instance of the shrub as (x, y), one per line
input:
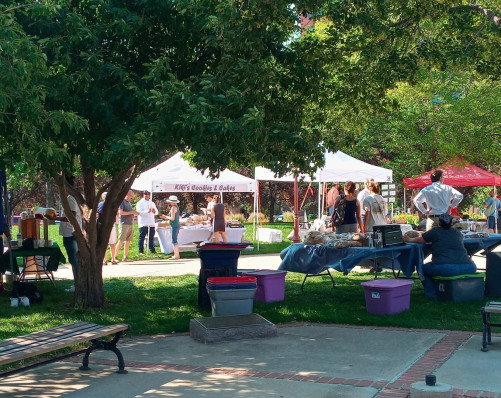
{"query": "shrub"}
(409, 218)
(262, 218)
(288, 216)
(474, 216)
(235, 216)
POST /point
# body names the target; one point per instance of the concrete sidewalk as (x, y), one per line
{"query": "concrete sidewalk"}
(305, 360)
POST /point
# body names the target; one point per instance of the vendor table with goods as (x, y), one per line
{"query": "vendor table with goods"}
(45, 260)
(193, 232)
(312, 259)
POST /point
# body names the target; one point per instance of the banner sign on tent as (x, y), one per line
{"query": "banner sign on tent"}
(176, 175)
(167, 186)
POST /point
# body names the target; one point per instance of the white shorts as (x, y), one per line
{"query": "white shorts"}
(113, 235)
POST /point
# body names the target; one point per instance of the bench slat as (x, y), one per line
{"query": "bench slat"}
(43, 333)
(48, 335)
(37, 343)
(92, 331)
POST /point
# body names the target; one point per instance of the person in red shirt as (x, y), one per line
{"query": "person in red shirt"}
(331, 197)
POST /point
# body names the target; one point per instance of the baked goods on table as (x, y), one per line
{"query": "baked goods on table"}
(338, 241)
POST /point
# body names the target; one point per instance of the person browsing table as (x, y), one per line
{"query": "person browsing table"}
(175, 225)
(449, 256)
(218, 220)
(352, 218)
(375, 207)
(492, 205)
(66, 230)
(126, 234)
(438, 197)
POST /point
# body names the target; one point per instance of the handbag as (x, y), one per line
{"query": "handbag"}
(337, 218)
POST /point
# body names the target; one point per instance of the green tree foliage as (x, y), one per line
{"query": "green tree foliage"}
(379, 46)
(121, 84)
(152, 77)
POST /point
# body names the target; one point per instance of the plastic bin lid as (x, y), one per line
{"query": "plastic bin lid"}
(231, 279)
(387, 283)
(265, 272)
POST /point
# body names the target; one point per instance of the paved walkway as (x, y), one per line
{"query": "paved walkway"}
(305, 360)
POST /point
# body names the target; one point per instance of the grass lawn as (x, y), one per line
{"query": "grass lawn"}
(154, 305)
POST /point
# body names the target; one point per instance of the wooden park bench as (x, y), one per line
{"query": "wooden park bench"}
(492, 307)
(33, 344)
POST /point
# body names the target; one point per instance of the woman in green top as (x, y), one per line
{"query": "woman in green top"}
(175, 225)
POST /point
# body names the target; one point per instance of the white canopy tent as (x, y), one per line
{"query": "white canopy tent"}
(339, 167)
(176, 175)
(264, 174)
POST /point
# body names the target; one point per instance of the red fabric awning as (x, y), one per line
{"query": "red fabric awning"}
(457, 173)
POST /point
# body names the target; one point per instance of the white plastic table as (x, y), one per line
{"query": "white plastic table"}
(194, 234)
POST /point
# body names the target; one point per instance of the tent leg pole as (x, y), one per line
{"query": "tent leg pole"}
(295, 239)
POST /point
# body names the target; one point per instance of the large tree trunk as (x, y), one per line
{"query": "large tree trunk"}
(89, 287)
(92, 238)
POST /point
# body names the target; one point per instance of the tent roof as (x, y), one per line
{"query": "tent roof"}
(457, 173)
(176, 175)
(339, 167)
(264, 174)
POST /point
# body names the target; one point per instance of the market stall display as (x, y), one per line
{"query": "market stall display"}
(314, 258)
(196, 229)
(50, 257)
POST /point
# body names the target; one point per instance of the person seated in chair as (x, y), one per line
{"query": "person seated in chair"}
(449, 256)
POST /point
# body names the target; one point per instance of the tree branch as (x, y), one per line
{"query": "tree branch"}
(7, 10)
(488, 13)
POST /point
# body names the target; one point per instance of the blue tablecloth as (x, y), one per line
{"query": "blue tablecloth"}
(312, 259)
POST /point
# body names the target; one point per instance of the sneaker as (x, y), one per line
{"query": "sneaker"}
(70, 289)
(141, 254)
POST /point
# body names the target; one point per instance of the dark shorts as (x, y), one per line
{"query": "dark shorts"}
(174, 233)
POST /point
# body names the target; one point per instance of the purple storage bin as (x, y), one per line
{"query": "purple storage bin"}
(387, 296)
(270, 285)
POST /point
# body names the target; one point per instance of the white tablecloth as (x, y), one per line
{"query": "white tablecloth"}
(234, 235)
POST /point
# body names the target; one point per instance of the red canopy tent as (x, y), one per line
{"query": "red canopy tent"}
(457, 173)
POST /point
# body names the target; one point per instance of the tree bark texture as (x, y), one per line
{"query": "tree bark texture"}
(92, 238)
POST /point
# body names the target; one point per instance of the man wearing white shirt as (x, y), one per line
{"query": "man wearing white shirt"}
(146, 221)
(66, 231)
(438, 197)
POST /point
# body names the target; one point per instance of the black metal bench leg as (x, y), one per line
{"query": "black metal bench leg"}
(108, 346)
(484, 333)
